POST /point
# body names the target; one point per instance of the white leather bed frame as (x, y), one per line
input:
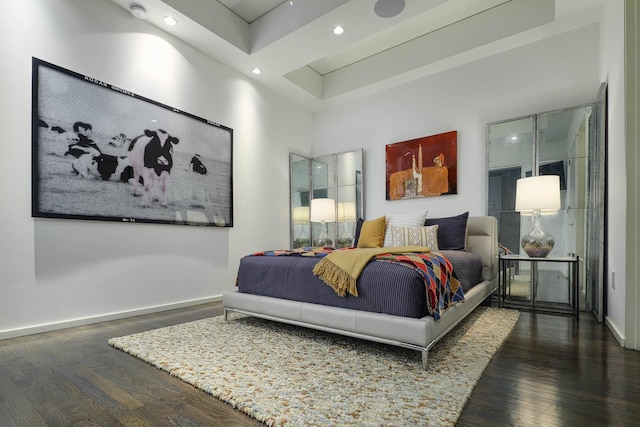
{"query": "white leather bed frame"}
(418, 334)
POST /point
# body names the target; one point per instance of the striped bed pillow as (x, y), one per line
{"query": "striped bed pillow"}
(413, 219)
(415, 236)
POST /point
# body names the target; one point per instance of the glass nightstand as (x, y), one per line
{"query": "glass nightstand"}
(512, 294)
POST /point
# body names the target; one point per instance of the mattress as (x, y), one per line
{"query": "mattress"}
(383, 287)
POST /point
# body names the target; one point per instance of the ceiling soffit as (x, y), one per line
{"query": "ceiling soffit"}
(463, 35)
(305, 62)
(289, 38)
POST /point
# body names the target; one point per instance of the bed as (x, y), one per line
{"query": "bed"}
(372, 315)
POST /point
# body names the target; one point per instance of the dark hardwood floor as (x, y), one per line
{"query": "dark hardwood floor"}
(556, 371)
(74, 378)
(551, 371)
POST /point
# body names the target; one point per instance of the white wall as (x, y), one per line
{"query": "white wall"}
(612, 71)
(56, 272)
(533, 78)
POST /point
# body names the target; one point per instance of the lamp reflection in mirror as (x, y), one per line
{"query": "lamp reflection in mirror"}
(536, 196)
(323, 211)
(300, 226)
(346, 214)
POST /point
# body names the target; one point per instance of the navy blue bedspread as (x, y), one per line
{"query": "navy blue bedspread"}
(383, 287)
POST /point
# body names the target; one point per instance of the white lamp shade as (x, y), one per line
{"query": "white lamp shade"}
(323, 210)
(301, 214)
(346, 211)
(538, 192)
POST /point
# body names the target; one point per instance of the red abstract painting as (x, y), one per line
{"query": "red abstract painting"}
(422, 167)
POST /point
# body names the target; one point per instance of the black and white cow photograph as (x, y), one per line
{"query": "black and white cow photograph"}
(104, 153)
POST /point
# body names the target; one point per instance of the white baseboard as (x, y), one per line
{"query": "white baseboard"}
(13, 333)
(615, 331)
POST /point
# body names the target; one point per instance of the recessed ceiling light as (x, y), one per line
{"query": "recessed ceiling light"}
(338, 29)
(514, 137)
(138, 11)
(170, 20)
(256, 70)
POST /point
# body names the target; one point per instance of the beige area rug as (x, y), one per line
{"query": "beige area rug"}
(285, 375)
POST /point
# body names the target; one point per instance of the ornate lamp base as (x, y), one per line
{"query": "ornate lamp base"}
(537, 246)
(537, 243)
(323, 242)
(323, 239)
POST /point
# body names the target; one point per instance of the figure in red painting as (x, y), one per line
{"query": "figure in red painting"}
(422, 167)
(420, 181)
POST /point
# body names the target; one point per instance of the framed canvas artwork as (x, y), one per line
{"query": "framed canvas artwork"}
(104, 153)
(422, 167)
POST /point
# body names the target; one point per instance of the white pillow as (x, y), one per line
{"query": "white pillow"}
(414, 219)
(416, 236)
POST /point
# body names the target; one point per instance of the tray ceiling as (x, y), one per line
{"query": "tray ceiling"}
(293, 44)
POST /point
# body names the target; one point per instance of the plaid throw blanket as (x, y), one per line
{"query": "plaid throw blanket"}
(442, 286)
(305, 251)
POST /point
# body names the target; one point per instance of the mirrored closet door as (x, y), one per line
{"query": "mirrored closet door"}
(549, 143)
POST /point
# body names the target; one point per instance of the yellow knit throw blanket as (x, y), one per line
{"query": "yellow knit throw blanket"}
(341, 269)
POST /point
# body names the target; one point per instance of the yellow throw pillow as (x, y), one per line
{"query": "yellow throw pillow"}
(372, 233)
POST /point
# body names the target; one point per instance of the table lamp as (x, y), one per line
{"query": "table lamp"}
(537, 196)
(323, 211)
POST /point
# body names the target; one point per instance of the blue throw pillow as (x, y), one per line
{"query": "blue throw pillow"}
(452, 231)
(358, 228)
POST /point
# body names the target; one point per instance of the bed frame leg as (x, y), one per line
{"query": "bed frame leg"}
(425, 356)
(226, 313)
